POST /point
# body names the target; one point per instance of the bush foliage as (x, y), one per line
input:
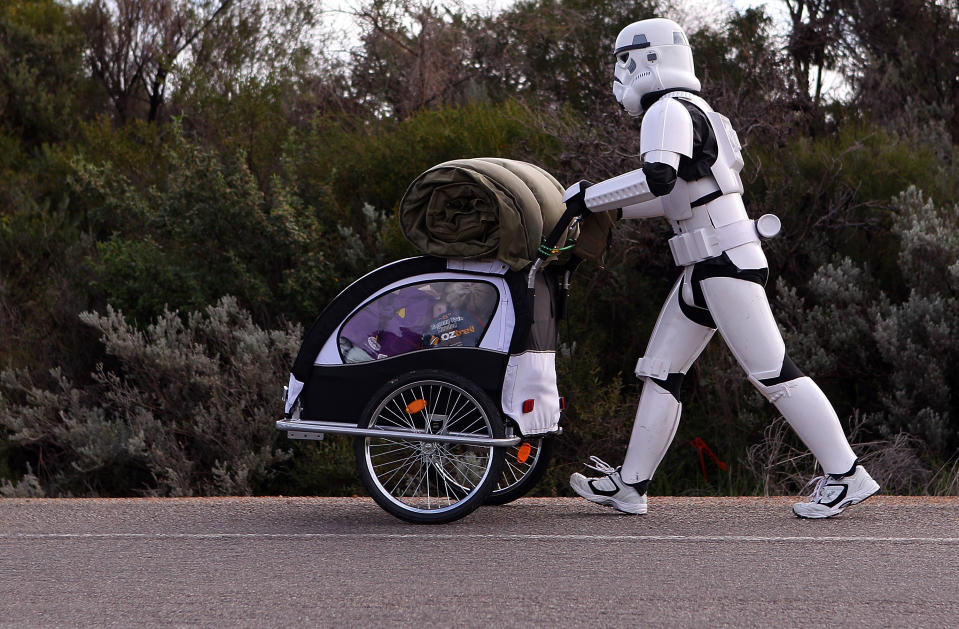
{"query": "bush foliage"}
(175, 211)
(184, 407)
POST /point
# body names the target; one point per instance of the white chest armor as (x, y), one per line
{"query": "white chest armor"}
(718, 223)
(715, 226)
(729, 158)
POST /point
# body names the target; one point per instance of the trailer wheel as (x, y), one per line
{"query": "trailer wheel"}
(430, 482)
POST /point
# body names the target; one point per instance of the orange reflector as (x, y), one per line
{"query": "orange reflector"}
(415, 406)
(524, 451)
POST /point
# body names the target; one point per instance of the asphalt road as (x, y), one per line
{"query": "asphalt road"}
(343, 562)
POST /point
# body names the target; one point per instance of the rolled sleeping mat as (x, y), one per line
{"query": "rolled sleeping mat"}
(482, 208)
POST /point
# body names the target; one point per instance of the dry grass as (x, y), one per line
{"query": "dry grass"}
(785, 466)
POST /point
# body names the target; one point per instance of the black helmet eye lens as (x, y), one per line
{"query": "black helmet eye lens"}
(623, 57)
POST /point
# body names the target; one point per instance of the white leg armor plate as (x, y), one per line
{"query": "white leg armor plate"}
(673, 346)
(656, 421)
(676, 342)
(742, 315)
(745, 321)
(810, 414)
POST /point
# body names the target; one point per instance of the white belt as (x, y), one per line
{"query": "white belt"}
(710, 242)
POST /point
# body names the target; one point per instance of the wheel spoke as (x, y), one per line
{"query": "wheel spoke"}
(514, 472)
(454, 489)
(461, 407)
(463, 460)
(393, 463)
(401, 420)
(413, 482)
(469, 429)
(382, 453)
(401, 468)
(466, 468)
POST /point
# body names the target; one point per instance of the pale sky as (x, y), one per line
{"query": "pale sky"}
(692, 14)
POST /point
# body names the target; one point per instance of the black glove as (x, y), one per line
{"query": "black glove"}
(577, 200)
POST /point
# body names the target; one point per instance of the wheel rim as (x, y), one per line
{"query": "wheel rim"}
(429, 477)
(516, 466)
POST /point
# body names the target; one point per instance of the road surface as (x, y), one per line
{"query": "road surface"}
(539, 562)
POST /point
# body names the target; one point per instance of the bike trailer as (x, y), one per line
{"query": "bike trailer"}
(440, 365)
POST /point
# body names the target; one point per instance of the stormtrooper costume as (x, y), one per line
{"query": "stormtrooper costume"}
(691, 161)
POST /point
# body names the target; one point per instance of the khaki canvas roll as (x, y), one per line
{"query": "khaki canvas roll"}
(482, 208)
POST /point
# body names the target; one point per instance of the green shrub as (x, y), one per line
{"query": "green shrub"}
(373, 162)
(203, 230)
(881, 351)
(185, 406)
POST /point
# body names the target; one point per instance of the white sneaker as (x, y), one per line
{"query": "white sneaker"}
(608, 490)
(832, 494)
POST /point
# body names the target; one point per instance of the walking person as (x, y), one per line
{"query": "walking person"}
(691, 161)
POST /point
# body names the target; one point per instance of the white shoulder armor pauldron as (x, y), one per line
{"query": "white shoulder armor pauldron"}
(667, 126)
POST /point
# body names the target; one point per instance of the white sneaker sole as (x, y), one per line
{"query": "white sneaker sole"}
(625, 507)
(608, 501)
(828, 512)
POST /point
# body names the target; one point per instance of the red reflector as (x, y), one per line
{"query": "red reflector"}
(522, 455)
(562, 404)
(415, 406)
(528, 406)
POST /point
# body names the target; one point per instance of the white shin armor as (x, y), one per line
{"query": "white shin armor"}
(657, 419)
(808, 411)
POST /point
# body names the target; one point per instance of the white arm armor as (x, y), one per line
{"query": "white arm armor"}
(666, 134)
(617, 192)
(646, 209)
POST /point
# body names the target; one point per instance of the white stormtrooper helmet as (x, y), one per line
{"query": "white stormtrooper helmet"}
(651, 56)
